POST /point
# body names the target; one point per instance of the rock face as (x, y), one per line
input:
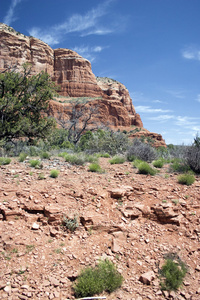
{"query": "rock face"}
(74, 76)
(17, 49)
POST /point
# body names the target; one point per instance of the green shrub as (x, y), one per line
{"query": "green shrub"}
(45, 155)
(70, 224)
(179, 166)
(22, 156)
(95, 168)
(131, 157)
(158, 163)
(187, 179)
(136, 162)
(54, 173)
(106, 155)
(144, 168)
(91, 158)
(75, 159)
(95, 280)
(172, 274)
(117, 160)
(4, 161)
(34, 163)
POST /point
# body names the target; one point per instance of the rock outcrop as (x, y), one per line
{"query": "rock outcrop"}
(74, 76)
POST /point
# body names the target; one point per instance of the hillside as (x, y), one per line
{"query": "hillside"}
(73, 74)
(131, 219)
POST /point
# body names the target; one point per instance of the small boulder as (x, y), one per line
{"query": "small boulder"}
(147, 277)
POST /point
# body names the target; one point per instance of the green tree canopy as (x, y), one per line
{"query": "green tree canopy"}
(24, 104)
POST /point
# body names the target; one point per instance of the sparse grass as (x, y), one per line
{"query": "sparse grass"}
(175, 201)
(29, 248)
(117, 160)
(144, 168)
(41, 176)
(22, 156)
(58, 250)
(172, 273)
(95, 168)
(95, 280)
(54, 173)
(186, 179)
(4, 161)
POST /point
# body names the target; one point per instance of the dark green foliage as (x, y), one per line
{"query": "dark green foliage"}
(23, 101)
(186, 179)
(172, 274)
(144, 168)
(103, 277)
(4, 161)
(117, 160)
(141, 151)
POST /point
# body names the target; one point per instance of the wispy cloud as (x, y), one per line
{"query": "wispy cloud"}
(148, 109)
(191, 53)
(86, 24)
(180, 94)
(198, 98)
(10, 16)
(88, 52)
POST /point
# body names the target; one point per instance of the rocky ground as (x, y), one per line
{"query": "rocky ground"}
(131, 219)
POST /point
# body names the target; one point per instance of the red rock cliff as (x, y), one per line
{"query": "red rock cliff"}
(73, 74)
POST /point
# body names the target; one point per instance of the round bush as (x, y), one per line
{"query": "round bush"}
(173, 274)
(94, 168)
(54, 173)
(158, 163)
(186, 179)
(144, 168)
(95, 280)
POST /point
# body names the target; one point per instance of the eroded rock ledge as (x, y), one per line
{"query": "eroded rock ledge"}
(73, 74)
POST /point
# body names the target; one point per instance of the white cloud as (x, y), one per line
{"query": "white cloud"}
(148, 109)
(180, 94)
(45, 37)
(10, 16)
(87, 24)
(198, 97)
(162, 118)
(191, 53)
(88, 52)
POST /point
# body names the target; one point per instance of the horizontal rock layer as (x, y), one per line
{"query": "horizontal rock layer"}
(74, 76)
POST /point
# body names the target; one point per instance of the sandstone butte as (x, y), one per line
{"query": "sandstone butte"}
(74, 76)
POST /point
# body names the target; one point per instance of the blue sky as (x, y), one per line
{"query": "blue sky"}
(151, 46)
